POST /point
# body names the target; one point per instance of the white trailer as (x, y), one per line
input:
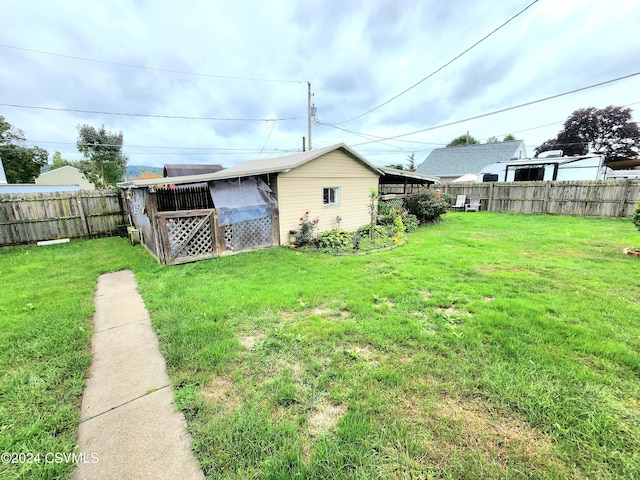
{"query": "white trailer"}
(549, 168)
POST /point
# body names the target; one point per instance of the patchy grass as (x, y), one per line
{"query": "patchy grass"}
(46, 309)
(489, 346)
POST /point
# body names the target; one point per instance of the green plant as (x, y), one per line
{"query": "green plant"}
(636, 216)
(399, 237)
(336, 239)
(429, 205)
(411, 222)
(387, 213)
(308, 226)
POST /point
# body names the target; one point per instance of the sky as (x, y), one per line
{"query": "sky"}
(213, 81)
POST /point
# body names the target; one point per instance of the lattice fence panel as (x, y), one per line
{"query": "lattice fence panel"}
(179, 229)
(251, 234)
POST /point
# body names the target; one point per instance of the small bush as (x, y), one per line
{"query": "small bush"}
(308, 226)
(429, 205)
(636, 216)
(411, 222)
(336, 238)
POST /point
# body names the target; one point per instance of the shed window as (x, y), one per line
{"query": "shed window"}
(331, 196)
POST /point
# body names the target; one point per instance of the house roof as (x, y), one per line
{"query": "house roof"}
(258, 167)
(180, 170)
(64, 168)
(458, 161)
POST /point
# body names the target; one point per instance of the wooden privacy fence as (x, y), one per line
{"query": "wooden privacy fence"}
(582, 198)
(32, 217)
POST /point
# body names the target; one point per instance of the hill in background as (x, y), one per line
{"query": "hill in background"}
(135, 171)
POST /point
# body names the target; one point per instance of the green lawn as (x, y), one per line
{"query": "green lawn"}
(489, 346)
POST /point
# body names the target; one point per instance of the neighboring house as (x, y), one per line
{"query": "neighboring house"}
(66, 175)
(453, 162)
(256, 203)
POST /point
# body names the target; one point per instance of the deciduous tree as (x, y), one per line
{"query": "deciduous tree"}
(21, 164)
(609, 131)
(104, 162)
(463, 140)
(58, 161)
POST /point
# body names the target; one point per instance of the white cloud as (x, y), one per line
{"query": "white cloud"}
(356, 54)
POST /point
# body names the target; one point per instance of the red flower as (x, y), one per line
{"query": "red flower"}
(306, 213)
(301, 219)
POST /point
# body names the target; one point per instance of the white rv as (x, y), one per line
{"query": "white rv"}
(552, 166)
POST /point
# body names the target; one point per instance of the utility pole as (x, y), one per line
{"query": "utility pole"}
(309, 112)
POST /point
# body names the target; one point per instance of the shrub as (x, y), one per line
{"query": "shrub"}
(411, 222)
(429, 205)
(636, 216)
(337, 239)
(308, 227)
(387, 213)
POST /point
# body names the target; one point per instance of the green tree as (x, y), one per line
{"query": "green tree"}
(9, 134)
(465, 139)
(610, 131)
(21, 164)
(412, 162)
(492, 140)
(58, 161)
(104, 164)
(509, 138)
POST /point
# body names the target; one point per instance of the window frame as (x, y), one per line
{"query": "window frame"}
(332, 192)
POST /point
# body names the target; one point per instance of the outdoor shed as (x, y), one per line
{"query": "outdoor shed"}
(251, 205)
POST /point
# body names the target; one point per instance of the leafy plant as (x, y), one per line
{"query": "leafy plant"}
(636, 216)
(336, 238)
(308, 228)
(429, 205)
(411, 222)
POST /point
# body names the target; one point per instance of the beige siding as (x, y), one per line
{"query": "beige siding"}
(66, 175)
(301, 189)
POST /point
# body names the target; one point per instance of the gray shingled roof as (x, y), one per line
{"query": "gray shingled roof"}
(457, 161)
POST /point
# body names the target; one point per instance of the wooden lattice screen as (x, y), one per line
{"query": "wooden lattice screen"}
(187, 236)
(196, 197)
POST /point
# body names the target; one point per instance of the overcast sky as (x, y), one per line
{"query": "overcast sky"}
(240, 70)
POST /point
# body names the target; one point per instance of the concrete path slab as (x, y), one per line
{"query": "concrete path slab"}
(129, 426)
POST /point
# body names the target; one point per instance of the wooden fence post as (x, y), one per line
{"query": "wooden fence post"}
(83, 217)
(623, 199)
(545, 200)
(490, 202)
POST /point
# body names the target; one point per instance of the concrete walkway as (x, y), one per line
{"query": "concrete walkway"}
(129, 427)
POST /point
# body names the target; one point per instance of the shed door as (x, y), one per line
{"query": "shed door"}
(187, 236)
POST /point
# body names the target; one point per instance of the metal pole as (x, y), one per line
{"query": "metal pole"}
(309, 112)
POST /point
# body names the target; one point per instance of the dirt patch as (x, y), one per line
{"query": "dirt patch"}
(250, 341)
(488, 299)
(218, 389)
(325, 418)
(366, 353)
(494, 433)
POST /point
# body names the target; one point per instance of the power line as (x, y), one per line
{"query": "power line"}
(181, 72)
(503, 109)
(180, 117)
(443, 66)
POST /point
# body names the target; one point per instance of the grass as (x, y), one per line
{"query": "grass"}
(489, 346)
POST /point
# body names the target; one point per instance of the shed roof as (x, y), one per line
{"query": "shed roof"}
(393, 175)
(458, 161)
(180, 170)
(258, 167)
